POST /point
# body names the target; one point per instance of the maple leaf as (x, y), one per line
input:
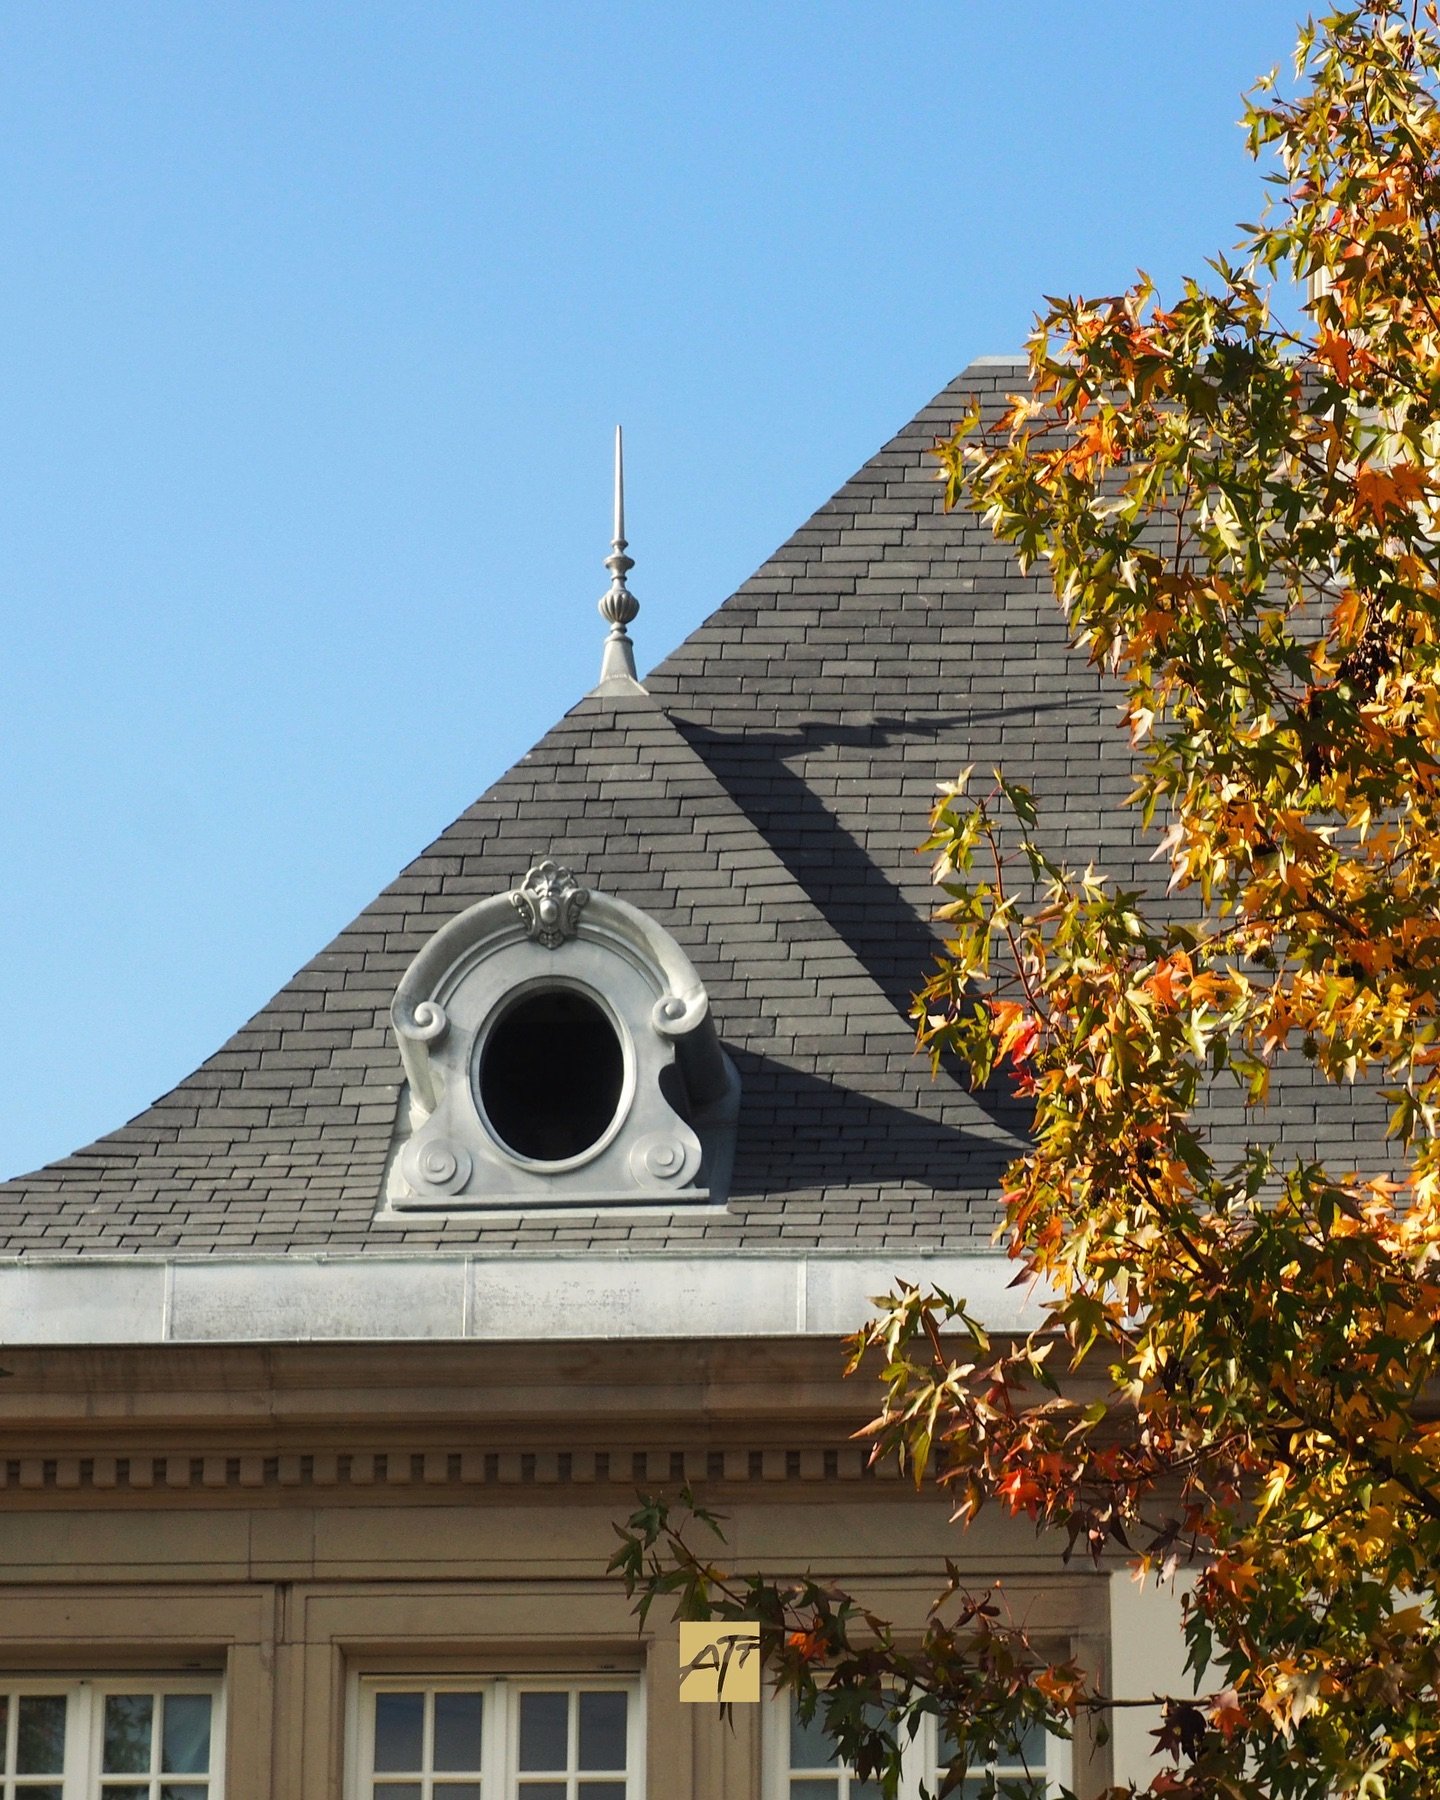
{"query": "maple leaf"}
(1348, 611)
(1335, 350)
(1182, 1729)
(1062, 1688)
(1167, 984)
(1021, 1491)
(1386, 490)
(1016, 1031)
(1291, 1693)
(1227, 1714)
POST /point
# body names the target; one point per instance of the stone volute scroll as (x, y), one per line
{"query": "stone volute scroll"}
(559, 1051)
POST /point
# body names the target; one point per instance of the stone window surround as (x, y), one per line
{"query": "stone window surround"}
(663, 1146)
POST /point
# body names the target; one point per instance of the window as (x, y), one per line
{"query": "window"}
(503, 1739)
(126, 1738)
(1031, 1765)
(551, 1075)
(559, 1050)
(803, 1764)
(815, 1771)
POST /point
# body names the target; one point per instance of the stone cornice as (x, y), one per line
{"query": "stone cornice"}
(509, 1299)
(368, 1475)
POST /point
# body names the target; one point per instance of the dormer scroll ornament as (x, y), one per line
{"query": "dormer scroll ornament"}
(549, 901)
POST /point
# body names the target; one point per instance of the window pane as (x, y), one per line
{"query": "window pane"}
(543, 1727)
(1024, 1755)
(47, 1790)
(457, 1732)
(40, 1745)
(814, 1790)
(542, 1790)
(456, 1790)
(1027, 1753)
(864, 1790)
(602, 1733)
(182, 1790)
(399, 1734)
(127, 1733)
(185, 1735)
(396, 1790)
(602, 1790)
(809, 1746)
(1011, 1781)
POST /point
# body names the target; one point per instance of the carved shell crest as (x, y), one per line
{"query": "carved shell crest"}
(549, 902)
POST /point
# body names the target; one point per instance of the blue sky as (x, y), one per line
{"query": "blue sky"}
(316, 323)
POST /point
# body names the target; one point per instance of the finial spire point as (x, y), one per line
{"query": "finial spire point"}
(618, 604)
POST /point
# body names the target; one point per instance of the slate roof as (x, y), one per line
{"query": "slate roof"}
(762, 800)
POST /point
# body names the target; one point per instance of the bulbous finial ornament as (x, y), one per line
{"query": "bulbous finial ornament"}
(618, 605)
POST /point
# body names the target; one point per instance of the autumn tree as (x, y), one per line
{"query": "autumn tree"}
(1235, 493)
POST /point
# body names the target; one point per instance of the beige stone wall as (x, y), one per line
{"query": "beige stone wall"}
(299, 1516)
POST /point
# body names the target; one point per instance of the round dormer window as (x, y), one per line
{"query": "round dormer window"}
(551, 1075)
(558, 1051)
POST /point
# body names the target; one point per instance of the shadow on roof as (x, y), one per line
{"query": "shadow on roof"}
(800, 1131)
(894, 943)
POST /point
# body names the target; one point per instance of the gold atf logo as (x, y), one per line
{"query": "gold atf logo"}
(720, 1660)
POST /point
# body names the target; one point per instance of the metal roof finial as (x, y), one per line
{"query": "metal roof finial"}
(618, 605)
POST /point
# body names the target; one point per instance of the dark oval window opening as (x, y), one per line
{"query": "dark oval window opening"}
(551, 1074)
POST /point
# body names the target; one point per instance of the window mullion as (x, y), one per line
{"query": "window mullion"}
(427, 1745)
(1058, 1754)
(495, 1742)
(219, 1740)
(636, 1726)
(915, 1758)
(157, 1738)
(82, 1743)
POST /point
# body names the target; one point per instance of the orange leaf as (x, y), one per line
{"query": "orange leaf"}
(1384, 490)
(1347, 610)
(1335, 350)
(1059, 1689)
(1227, 1715)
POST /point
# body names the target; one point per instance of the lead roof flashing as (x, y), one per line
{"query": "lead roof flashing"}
(616, 687)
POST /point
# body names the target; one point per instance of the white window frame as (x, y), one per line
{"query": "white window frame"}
(1059, 1761)
(500, 1740)
(919, 1759)
(85, 1697)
